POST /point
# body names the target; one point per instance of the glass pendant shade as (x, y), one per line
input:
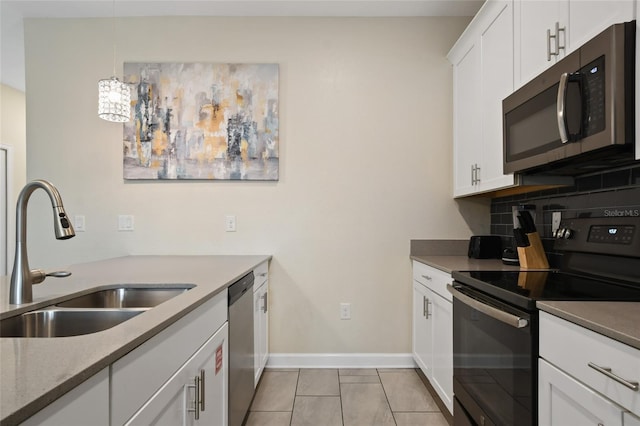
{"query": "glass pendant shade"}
(114, 100)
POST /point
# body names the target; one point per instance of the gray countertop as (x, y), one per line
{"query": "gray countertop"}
(449, 264)
(617, 320)
(36, 371)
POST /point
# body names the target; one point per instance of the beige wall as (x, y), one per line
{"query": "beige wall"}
(13, 135)
(365, 163)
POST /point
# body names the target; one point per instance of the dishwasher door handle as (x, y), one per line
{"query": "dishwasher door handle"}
(495, 313)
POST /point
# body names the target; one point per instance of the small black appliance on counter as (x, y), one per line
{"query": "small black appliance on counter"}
(485, 247)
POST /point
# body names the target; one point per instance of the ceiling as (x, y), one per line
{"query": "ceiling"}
(12, 13)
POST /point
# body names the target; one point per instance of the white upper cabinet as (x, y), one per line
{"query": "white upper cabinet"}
(496, 84)
(587, 19)
(537, 44)
(466, 122)
(508, 43)
(546, 31)
(482, 76)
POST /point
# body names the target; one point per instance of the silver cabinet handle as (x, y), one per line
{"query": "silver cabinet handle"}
(202, 383)
(558, 31)
(424, 306)
(427, 277)
(264, 307)
(505, 317)
(556, 39)
(607, 372)
(478, 173)
(428, 313)
(196, 403)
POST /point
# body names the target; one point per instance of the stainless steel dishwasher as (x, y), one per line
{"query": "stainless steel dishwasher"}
(240, 349)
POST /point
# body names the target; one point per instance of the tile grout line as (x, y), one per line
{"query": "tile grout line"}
(393, 416)
(295, 394)
(340, 392)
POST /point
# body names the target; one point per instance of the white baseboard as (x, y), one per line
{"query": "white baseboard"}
(363, 360)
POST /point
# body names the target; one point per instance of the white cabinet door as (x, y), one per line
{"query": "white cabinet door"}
(260, 329)
(588, 18)
(88, 403)
(202, 380)
(466, 119)
(565, 401)
(496, 83)
(482, 77)
(441, 311)
(532, 20)
(139, 374)
(629, 419)
(581, 20)
(433, 329)
(421, 330)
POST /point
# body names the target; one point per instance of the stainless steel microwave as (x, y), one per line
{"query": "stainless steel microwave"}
(579, 115)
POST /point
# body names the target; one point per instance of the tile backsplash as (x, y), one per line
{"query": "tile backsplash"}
(611, 193)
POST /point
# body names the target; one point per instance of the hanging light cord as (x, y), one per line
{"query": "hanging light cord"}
(113, 39)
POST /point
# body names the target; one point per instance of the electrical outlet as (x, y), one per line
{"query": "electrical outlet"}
(79, 223)
(345, 311)
(125, 222)
(230, 223)
(556, 217)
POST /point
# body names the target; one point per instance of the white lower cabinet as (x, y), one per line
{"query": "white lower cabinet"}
(433, 329)
(565, 401)
(195, 394)
(154, 383)
(89, 400)
(585, 378)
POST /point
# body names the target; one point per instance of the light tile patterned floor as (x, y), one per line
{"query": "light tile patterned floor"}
(344, 397)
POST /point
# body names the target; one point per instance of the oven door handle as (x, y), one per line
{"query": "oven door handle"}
(500, 315)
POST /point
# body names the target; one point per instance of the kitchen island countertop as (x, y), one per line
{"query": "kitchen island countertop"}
(36, 371)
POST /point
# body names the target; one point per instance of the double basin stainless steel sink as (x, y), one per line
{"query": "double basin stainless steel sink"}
(89, 313)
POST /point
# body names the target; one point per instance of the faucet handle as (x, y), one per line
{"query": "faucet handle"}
(38, 275)
(58, 274)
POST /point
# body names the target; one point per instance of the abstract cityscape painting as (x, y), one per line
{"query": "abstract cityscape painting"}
(202, 121)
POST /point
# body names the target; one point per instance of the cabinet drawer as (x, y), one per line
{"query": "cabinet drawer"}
(261, 274)
(433, 278)
(140, 373)
(572, 348)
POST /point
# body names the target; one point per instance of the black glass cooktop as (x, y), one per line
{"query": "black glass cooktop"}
(523, 288)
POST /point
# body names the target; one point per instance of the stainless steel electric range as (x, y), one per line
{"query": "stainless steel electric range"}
(495, 319)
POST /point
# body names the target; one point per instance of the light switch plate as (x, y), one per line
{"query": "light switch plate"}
(79, 223)
(230, 223)
(125, 222)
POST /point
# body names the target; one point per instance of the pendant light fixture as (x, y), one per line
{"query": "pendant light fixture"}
(114, 96)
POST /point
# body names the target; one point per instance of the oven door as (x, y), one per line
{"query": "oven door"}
(494, 360)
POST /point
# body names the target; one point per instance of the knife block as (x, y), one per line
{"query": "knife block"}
(533, 256)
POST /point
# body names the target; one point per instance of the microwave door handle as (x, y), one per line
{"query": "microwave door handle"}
(561, 106)
(495, 313)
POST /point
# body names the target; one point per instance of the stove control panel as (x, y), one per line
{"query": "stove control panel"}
(611, 234)
(601, 235)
